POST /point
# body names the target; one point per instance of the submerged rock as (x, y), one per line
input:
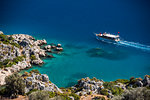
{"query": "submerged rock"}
(107, 54)
(50, 56)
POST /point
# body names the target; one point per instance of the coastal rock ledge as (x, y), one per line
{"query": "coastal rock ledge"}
(18, 52)
(39, 82)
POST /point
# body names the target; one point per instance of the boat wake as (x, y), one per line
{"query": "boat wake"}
(110, 38)
(135, 45)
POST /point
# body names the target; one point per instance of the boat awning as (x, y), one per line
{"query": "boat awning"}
(111, 36)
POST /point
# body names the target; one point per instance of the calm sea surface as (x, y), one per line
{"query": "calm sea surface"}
(72, 23)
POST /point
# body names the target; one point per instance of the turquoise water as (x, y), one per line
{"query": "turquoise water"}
(81, 60)
(72, 24)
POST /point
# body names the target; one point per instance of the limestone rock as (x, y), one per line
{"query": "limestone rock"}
(40, 82)
(146, 81)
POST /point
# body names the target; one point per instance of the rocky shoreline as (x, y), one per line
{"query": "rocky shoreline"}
(20, 51)
(27, 48)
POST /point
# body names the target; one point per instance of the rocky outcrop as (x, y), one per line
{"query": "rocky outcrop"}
(146, 80)
(8, 51)
(87, 86)
(1, 32)
(28, 47)
(53, 47)
(37, 62)
(24, 46)
(10, 70)
(39, 82)
(58, 45)
(47, 47)
(59, 49)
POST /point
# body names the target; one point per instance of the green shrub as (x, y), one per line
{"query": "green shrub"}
(39, 95)
(3, 91)
(8, 40)
(110, 86)
(31, 91)
(9, 63)
(15, 85)
(116, 90)
(95, 79)
(78, 89)
(76, 97)
(17, 59)
(104, 92)
(98, 98)
(52, 94)
(32, 57)
(140, 93)
(34, 71)
(64, 96)
(15, 44)
(124, 81)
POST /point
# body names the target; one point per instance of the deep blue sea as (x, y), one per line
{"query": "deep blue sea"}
(72, 23)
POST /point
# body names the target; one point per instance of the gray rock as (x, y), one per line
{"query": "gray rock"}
(40, 82)
(146, 81)
(45, 78)
(37, 62)
(1, 32)
(139, 83)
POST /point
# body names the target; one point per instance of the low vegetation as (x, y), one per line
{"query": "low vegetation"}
(98, 98)
(39, 95)
(104, 92)
(140, 93)
(46, 95)
(124, 81)
(32, 57)
(14, 86)
(8, 40)
(34, 71)
(114, 89)
(9, 63)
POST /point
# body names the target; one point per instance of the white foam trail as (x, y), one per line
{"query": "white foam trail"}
(136, 45)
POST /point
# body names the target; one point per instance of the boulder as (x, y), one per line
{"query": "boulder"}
(45, 78)
(139, 83)
(58, 45)
(37, 62)
(40, 42)
(47, 47)
(146, 80)
(59, 49)
(42, 53)
(1, 32)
